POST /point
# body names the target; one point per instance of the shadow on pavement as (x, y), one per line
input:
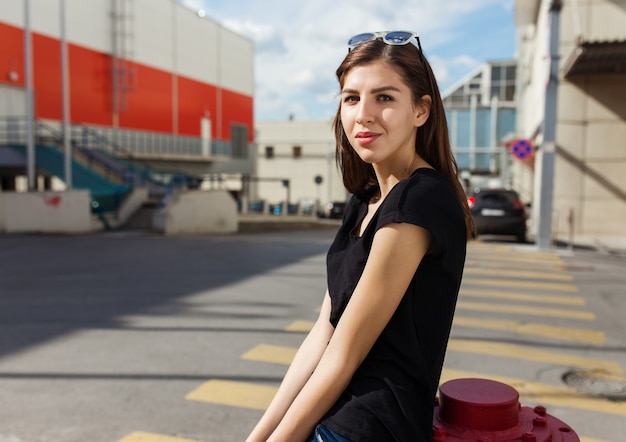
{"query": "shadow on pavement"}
(53, 285)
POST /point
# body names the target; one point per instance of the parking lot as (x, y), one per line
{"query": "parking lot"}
(135, 337)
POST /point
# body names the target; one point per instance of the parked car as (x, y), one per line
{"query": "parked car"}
(499, 212)
(334, 210)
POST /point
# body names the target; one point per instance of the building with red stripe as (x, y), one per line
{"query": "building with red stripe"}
(137, 67)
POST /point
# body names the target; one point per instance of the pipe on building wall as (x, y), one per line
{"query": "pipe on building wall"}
(548, 145)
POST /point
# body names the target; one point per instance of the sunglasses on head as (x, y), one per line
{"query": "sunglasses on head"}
(394, 38)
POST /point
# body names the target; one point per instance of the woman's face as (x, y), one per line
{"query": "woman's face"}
(378, 114)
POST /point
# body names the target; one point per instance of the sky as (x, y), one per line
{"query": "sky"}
(299, 44)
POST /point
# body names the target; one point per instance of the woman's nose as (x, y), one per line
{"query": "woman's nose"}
(365, 114)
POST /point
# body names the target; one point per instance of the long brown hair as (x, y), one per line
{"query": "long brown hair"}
(432, 142)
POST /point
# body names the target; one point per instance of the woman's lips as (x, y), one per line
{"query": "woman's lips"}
(365, 138)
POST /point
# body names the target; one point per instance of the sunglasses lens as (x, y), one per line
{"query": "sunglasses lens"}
(398, 37)
(357, 39)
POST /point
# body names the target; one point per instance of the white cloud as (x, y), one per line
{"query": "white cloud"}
(266, 38)
(300, 44)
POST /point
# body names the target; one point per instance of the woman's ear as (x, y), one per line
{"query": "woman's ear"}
(423, 110)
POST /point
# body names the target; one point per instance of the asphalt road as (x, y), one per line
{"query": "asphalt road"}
(131, 337)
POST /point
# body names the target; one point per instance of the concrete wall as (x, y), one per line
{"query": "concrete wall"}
(131, 204)
(591, 123)
(199, 212)
(590, 166)
(193, 212)
(46, 212)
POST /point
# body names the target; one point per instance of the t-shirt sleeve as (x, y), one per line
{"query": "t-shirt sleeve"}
(428, 202)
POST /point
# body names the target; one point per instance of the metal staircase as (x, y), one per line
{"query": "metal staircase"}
(98, 164)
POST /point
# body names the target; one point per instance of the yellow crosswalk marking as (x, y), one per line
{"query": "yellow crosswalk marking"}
(284, 355)
(524, 328)
(521, 284)
(588, 439)
(550, 331)
(495, 253)
(511, 273)
(271, 353)
(515, 296)
(514, 256)
(546, 394)
(516, 265)
(530, 354)
(236, 394)
(542, 275)
(139, 436)
(477, 243)
(525, 310)
(300, 326)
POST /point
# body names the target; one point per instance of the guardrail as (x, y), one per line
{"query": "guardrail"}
(98, 148)
(129, 142)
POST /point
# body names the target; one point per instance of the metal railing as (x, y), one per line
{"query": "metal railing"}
(109, 154)
(119, 141)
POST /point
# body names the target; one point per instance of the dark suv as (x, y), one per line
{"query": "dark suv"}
(498, 211)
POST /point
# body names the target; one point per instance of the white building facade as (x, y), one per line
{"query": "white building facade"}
(302, 153)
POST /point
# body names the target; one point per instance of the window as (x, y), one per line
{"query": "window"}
(269, 152)
(239, 141)
(495, 91)
(457, 98)
(471, 88)
(510, 73)
(297, 151)
(503, 82)
(509, 93)
(496, 73)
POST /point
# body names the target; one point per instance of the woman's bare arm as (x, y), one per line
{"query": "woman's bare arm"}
(303, 364)
(396, 252)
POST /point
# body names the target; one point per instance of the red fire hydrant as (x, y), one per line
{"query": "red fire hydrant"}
(482, 410)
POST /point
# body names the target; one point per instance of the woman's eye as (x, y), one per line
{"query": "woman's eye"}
(350, 99)
(385, 98)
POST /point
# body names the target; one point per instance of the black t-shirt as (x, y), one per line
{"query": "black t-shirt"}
(391, 395)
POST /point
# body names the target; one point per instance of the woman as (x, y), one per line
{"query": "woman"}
(370, 367)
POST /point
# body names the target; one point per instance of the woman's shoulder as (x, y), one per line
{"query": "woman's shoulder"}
(427, 199)
(426, 196)
(424, 185)
(427, 176)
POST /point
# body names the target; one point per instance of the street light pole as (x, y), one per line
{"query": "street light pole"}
(65, 98)
(28, 70)
(548, 145)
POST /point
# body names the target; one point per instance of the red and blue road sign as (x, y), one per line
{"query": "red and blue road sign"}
(522, 148)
